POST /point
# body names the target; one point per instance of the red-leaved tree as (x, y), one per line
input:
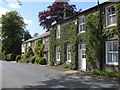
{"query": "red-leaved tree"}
(55, 13)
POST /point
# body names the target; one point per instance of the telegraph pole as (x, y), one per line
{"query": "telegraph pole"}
(101, 38)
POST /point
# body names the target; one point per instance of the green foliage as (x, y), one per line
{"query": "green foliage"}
(35, 34)
(12, 32)
(32, 59)
(10, 57)
(18, 57)
(68, 34)
(27, 55)
(38, 50)
(91, 37)
(26, 35)
(21, 60)
(66, 66)
(37, 59)
(118, 27)
(43, 61)
(106, 73)
(92, 40)
(38, 47)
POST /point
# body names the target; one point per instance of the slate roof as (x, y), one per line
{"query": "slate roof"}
(46, 34)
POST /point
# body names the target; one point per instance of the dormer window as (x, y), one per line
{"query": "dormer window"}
(58, 31)
(111, 15)
(81, 24)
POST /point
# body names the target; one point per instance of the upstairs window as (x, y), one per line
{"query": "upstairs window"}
(81, 24)
(112, 52)
(58, 31)
(111, 15)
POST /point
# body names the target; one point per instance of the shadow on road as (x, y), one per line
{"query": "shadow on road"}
(73, 81)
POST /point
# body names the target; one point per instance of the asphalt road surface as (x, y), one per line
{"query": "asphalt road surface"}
(18, 75)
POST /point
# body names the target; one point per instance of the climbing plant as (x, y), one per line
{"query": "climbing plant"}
(118, 26)
(91, 37)
(67, 35)
(38, 50)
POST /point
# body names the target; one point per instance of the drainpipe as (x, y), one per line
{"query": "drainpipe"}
(101, 37)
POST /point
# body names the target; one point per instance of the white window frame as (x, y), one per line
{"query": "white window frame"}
(110, 52)
(58, 31)
(57, 53)
(110, 16)
(83, 49)
(68, 53)
(82, 24)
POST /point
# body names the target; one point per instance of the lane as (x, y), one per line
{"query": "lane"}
(17, 75)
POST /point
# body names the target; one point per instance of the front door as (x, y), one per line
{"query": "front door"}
(82, 57)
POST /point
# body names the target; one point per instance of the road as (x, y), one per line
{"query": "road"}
(18, 75)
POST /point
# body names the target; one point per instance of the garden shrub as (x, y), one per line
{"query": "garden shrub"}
(37, 59)
(32, 59)
(21, 60)
(4, 57)
(12, 57)
(106, 73)
(42, 61)
(27, 60)
(18, 57)
(68, 66)
(8, 57)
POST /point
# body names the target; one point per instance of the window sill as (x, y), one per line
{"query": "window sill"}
(112, 64)
(68, 61)
(58, 60)
(81, 32)
(110, 26)
(57, 37)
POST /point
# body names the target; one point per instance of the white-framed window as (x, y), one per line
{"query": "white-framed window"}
(111, 15)
(83, 50)
(58, 53)
(112, 52)
(81, 24)
(69, 53)
(58, 31)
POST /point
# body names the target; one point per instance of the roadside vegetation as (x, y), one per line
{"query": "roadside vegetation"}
(34, 56)
(106, 73)
(13, 33)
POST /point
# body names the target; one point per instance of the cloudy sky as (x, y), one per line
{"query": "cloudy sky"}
(30, 9)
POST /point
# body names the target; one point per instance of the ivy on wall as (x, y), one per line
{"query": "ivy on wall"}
(38, 50)
(68, 34)
(91, 37)
(118, 27)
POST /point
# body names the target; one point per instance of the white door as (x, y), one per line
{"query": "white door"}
(82, 57)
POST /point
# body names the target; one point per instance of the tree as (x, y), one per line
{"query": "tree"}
(26, 35)
(13, 28)
(36, 34)
(55, 13)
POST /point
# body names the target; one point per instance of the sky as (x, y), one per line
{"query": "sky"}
(31, 8)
